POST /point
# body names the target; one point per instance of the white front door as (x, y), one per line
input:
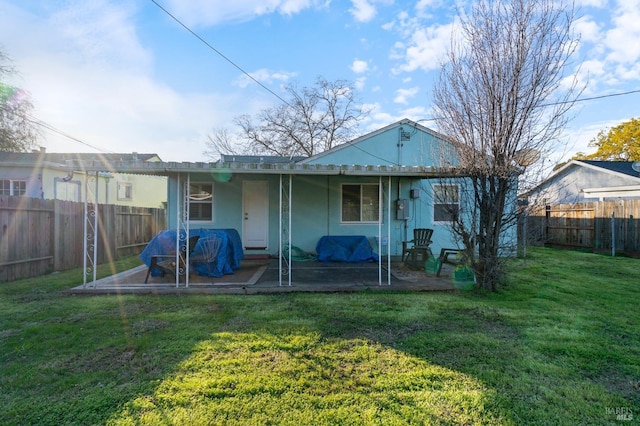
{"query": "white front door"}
(255, 202)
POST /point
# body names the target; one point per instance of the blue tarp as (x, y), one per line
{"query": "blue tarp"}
(228, 259)
(345, 248)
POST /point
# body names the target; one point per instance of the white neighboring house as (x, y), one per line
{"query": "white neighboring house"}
(60, 176)
(587, 180)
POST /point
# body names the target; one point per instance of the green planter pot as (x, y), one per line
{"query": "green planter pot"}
(464, 278)
(431, 265)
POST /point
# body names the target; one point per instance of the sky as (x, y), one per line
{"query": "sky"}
(123, 76)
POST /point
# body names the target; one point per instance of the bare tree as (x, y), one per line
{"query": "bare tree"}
(222, 142)
(503, 97)
(314, 120)
(17, 131)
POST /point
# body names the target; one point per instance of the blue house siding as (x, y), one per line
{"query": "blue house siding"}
(316, 210)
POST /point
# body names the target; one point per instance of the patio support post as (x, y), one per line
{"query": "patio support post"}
(280, 232)
(290, 215)
(380, 217)
(183, 191)
(389, 230)
(90, 228)
(178, 224)
(186, 225)
(284, 216)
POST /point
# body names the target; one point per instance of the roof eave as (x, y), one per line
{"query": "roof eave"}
(263, 168)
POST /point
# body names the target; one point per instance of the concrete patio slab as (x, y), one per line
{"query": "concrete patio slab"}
(262, 277)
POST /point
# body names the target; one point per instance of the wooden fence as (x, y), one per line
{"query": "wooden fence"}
(40, 236)
(601, 226)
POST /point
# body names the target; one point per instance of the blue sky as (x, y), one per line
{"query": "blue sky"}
(122, 76)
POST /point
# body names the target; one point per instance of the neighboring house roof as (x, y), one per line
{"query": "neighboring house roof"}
(616, 179)
(259, 159)
(72, 160)
(625, 167)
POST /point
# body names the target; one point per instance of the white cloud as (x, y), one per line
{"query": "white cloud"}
(363, 10)
(366, 10)
(588, 29)
(360, 83)
(358, 66)
(263, 75)
(403, 95)
(419, 47)
(629, 73)
(592, 3)
(213, 12)
(622, 40)
(100, 32)
(418, 113)
(425, 49)
(424, 8)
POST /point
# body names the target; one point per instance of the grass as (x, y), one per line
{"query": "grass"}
(560, 344)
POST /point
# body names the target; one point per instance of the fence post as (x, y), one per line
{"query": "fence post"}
(547, 219)
(613, 234)
(57, 227)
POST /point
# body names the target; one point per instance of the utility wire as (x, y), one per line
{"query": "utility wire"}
(592, 98)
(218, 52)
(49, 127)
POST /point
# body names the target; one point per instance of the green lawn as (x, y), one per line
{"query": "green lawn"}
(559, 345)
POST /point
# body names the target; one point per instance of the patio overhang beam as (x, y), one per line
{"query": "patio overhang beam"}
(167, 168)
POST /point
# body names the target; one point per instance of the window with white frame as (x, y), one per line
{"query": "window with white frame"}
(125, 190)
(446, 202)
(360, 203)
(13, 187)
(201, 201)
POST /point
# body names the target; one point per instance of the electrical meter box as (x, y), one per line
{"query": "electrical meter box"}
(402, 209)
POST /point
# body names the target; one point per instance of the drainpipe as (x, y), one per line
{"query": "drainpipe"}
(399, 147)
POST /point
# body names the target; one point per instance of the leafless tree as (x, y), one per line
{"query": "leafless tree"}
(313, 120)
(222, 142)
(503, 97)
(17, 131)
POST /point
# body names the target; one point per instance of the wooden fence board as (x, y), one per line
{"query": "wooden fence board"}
(599, 225)
(38, 236)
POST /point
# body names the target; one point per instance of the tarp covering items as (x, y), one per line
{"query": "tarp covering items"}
(345, 248)
(228, 258)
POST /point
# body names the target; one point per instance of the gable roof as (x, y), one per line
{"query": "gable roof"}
(403, 122)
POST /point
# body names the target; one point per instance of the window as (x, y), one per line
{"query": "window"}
(124, 191)
(13, 187)
(201, 201)
(446, 202)
(360, 203)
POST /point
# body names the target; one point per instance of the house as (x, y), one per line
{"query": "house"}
(379, 187)
(63, 176)
(586, 180)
